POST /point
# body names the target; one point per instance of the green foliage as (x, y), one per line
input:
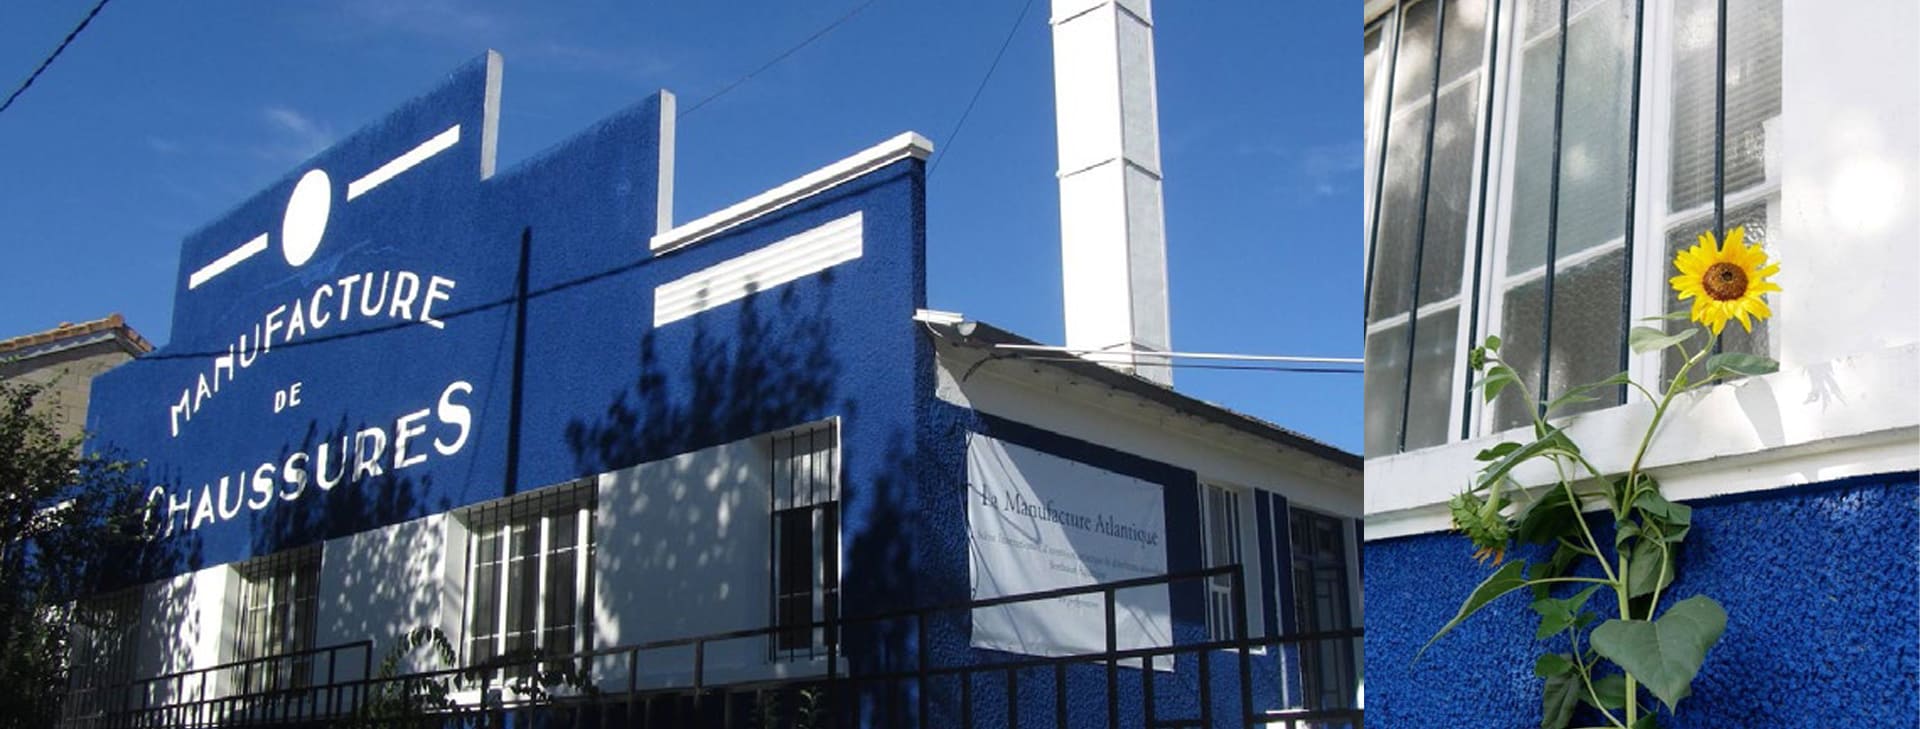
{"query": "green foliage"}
(1662, 651)
(60, 511)
(428, 693)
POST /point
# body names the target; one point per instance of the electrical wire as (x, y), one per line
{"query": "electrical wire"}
(777, 59)
(64, 42)
(957, 126)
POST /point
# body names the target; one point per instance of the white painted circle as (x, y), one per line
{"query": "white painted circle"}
(306, 219)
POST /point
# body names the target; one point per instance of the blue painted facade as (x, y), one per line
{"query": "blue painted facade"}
(538, 363)
(1821, 584)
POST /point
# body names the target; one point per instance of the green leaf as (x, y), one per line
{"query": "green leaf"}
(1579, 394)
(1664, 654)
(1612, 690)
(1493, 342)
(1502, 581)
(1667, 512)
(1496, 451)
(1547, 519)
(1561, 693)
(1554, 440)
(1552, 664)
(1557, 614)
(1624, 531)
(1497, 379)
(1739, 363)
(1649, 568)
(1649, 339)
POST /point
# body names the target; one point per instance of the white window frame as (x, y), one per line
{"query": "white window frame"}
(1220, 588)
(574, 501)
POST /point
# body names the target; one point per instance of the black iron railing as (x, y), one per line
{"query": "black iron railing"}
(1240, 681)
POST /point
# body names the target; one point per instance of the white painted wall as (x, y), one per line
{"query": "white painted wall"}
(1844, 402)
(378, 585)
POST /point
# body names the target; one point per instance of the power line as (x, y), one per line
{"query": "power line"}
(776, 59)
(55, 54)
(957, 126)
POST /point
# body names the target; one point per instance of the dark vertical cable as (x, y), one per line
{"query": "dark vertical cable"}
(1633, 179)
(1380, 169)
(1720, 138)
(514, 400)
(1472, 294)
(1420, 226)
(1553, 212)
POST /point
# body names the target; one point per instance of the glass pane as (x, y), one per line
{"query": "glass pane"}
(1399, 216)
(1587, 330)
(1466, 39)
(562, 602)
(1384, 379)
(1413, 65)
(486, 597)
(1533, 162)
(562, 529)
(1593, 163)
(1443, 250)
(1753, 95)
(520, 595)
(1733, 338)
(1520, 322)
(1430, 407)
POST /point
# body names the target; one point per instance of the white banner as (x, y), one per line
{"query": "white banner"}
(1040, 522)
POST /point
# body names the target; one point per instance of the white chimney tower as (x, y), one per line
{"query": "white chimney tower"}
(1113, 243)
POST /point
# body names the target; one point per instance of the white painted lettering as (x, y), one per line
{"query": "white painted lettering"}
(406, 286)
(180, 412)
(204, 514)
(371, 306)
(346, 295)
(405, 429)
(366, 462)
(435, 292)
(320, 317)
(294, 473)
(262, 487)
(297, 321)
(320, 466)
(273, 323)
(455, 415)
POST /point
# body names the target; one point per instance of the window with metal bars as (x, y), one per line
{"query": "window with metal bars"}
(1220, 543)
(278, 597)
(530, 576)
(1537, 184)
(101, 652)
(805, 559)
(1321, 604)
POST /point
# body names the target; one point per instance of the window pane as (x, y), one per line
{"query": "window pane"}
(486, 598)
(1587, 330)
(1593, 164)
(1753, 96)
(1533, 162)
(1443, 250)
(1399, 216)
(1430, 407)
(562, 603)
(1413, 65)
(1385, 370)
(1466, 39)
(1520, 321)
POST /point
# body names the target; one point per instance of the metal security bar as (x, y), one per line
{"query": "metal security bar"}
(1228, 682)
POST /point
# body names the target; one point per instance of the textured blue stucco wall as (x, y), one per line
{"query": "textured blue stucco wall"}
(1821, 584)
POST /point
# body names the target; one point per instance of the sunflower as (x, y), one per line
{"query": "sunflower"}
(1725, 282)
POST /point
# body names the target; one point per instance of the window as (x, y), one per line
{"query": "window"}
(1320, 604)
(101, 653)
(530, 567)
(805, 491)
(1537, 185)
(1220, 524)
(278, 594)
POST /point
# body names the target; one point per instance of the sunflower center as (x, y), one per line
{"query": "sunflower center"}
(1724, 281)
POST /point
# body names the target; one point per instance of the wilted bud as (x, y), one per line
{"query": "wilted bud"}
(1481, 521)
(1477, 358)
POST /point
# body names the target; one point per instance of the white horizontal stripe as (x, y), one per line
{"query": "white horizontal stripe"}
(804, 254)
(439, 143)
(813, 183)
(231, 259)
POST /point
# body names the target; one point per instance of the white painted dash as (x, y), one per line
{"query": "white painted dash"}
(439, 143)
(790, 259)
(231, 259)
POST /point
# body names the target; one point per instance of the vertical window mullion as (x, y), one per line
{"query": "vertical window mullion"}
(1627, 272)
(1553, 213)
(505, 571)
(1471, 291)
(583, 557)
(542, 543)
(1380, 173)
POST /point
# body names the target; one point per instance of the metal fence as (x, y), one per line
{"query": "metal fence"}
(1303, 681)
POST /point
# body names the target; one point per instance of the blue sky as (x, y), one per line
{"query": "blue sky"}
(162, 116)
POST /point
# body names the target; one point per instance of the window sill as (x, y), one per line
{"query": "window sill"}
(1846, 417)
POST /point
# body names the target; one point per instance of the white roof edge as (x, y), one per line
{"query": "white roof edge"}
(903, 146)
